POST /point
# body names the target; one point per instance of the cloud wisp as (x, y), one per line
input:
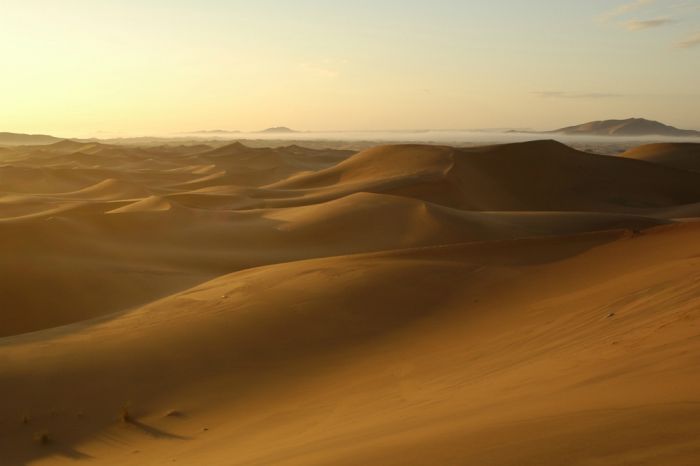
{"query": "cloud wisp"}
(326, 69)
(625, 16)
(690, 42)
(624, 9)
(639, 25)
(576, 95)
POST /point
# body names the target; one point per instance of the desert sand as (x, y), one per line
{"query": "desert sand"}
(685, 156)
(519, 304)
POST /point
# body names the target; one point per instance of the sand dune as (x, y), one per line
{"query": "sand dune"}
(247, 166)
(149, 204)
(109, 189)
(684, 156)
(543, 175)
(25, 139)
(161, 238)
(407, 305)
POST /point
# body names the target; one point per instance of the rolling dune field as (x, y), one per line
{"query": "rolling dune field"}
(518, 304)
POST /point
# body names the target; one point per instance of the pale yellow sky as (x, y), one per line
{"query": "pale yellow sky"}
(79, 67)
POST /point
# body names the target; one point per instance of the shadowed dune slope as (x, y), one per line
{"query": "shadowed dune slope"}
(684, 156)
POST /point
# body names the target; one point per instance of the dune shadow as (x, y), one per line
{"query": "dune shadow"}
(155, 432)
(56, 449)
(72, 453)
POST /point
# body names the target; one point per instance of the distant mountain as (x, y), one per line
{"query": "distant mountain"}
(279, 129)
(629, 127)
(16, 139)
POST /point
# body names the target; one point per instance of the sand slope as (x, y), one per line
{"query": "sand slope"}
(684, 156)
(542, 175)
(512, 348)
(525, 304)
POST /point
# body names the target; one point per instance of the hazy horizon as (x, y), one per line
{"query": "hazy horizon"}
(444, 135)
(156, 67)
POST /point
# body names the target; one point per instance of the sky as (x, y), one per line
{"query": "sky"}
(143, 67)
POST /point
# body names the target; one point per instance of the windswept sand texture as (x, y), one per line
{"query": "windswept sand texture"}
(522, 304)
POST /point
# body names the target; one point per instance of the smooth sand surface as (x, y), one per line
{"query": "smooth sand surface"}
(524, 304)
